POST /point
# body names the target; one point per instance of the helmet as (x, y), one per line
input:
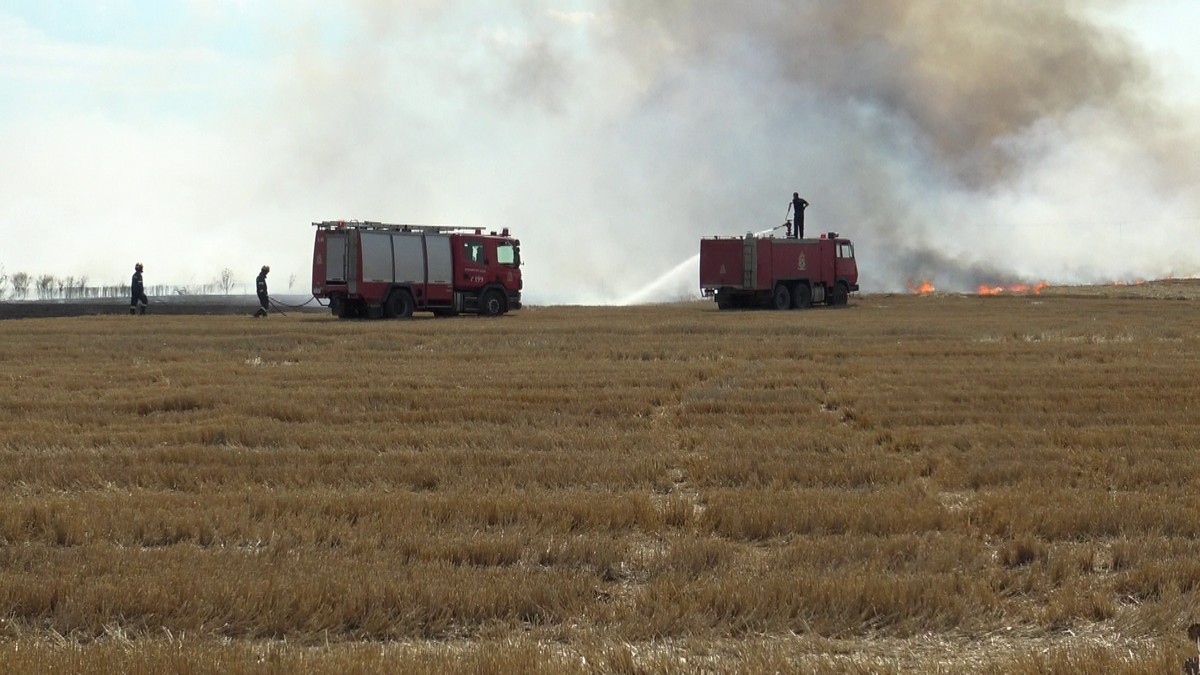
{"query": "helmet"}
(138, 267)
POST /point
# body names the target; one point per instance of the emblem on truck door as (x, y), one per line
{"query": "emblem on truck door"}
(801, 264)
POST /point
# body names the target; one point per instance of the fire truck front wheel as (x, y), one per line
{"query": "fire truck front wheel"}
(400, 304)
(492, 303)
(841, 295)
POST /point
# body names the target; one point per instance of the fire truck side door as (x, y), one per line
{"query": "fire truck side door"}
(335, 258)
(440, 269)
(846, 265)
(473, 263)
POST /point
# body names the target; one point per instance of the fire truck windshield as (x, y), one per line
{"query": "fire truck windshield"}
(508, 254)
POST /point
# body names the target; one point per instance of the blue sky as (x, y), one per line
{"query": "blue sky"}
(202, 134)
(130, 56)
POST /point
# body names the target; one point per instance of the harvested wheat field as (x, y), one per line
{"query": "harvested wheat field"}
(934, 484)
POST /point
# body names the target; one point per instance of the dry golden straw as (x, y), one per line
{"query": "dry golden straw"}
(912, 483)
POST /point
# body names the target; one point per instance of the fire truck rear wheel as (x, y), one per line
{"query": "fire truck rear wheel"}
(400, 304)
(491, 304)
(341, 308)
(782, 297)
(802, 296)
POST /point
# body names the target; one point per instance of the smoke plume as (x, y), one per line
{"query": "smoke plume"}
(967, 143)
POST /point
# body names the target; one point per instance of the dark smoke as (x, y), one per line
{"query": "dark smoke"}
(950, 272)
(964, 76)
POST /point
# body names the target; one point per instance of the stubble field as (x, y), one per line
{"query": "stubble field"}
(934, 484)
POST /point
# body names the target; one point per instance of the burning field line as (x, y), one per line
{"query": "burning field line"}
(590, 485)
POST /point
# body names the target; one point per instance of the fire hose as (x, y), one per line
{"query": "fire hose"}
(280, 302)
(786, 223)
(276, 303)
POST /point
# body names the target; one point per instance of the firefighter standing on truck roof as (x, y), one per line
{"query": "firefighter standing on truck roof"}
(798, 204)
(260, 286)
(137, 299)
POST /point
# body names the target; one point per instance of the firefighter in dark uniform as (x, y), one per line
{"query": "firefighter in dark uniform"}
(260, 286)
(798, 205)
(137, 300)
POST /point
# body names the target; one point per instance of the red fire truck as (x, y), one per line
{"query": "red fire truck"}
(375, 270)
(785, 273)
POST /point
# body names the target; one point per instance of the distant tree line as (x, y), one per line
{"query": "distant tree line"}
(25, 286)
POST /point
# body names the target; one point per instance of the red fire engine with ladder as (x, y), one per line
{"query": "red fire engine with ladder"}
(369, 269)
(786, 273)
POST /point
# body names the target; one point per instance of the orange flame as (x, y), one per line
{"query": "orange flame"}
(923, 288)
(1034, 289)
(1135, 282)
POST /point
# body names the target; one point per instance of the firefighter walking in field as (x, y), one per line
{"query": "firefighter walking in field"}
(137, 299)
(260, 286)
(798, 204)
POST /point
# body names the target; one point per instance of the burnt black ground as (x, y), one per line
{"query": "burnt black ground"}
(185, 305)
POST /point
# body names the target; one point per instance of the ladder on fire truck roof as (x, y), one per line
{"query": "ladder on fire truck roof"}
(388, 227)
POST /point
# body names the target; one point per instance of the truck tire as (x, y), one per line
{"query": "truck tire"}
(802, 296)
(782, 297)
(492, 303)
(342, 308)
(841, 295)
(337, 306)
(400, 304)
